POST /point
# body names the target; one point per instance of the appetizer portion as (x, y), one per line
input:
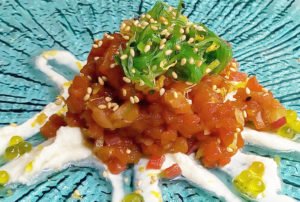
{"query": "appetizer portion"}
(166, 85)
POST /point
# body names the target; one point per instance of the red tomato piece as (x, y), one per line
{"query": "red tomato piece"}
(280, 122)
(155, 162)
(172, 171)
(253, 84)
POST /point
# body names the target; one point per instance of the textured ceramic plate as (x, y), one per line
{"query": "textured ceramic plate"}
(265, 36)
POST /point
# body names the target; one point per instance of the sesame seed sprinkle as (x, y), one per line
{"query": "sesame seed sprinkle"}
(148, 16)
(177, 47)
(162, 91)
(104, 78)
(191, 40)
(232, 69)
(183, 61)
(181, 30)
(86, 97)
(127, 28)
(133, 70)
(126, 80)
(89, 90)
(131, 99)
(163, 41)
(132, 53)
(116, 107)
(96, 58)
(100, 81)
(113, 65)
(124, 57)
(128, 151)
(245, 114)
(175, 94)
(142, 83)
(191, 61)
(168, 52)
(136, 99)
(199, 63)
(95, 46)
(102, 106)
(238, 130)
(154, 28)
(147, 48)
(208, 70)
(183, 37)
(161, 46)
(105, 174)
(174, 75)
(108, 99)
(126, 37)
(124, 92)
(248, 91)
(100, 43)
(139, 183)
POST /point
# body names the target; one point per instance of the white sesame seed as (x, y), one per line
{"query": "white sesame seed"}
(116, 107)
(232, 69)
(248, 91)
(108, 99)
(109, 105)
(189, 101)
(168, 52)
(124, 57)
(105, 174)
(152, 20)
(175, 94)
(181, 30)
(199, 63)
(133, 70)
(191, 40)
(189, 83)
(206, 132)
(113, 65)
(245, 114)
(86, 97)
(131, 99)
(226, 77)
(162, 91)
(110, 37)
(96, 40)
(128, 151)
(163, 41)
(148, 16)
(208, 70)
(96, 58)
(238, 130)
(154, 27)
(183, 37)
(102, 106)
(229, 149)
(191, 61)
(142, 83)
(124, 92)
(100, 80)
(183, 61)
(89, 90)
(123, 25)
(139, 183)
(95, 46)
(195, 49)
(175, 76)
(162, 46)
(144, 24)
(214, 87)
(132, 52)
(162, 63)
(126, 80)
(136, 99)
(127, 28)
(177, 47)
(234, 64)
(100, 43)
(126, 37)
(143, 16)
(89, 77)
(147, 48)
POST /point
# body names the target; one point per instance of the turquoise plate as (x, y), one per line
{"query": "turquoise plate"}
(265, 36)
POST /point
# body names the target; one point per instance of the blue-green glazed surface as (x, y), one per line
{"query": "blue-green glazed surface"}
(264, 34)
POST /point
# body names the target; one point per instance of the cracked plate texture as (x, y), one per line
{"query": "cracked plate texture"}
(265, 36)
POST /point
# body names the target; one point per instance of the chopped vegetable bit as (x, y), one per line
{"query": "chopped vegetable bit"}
(156, 162)
(133, 197)
(250, 181)
(171, 171)
(163, 42)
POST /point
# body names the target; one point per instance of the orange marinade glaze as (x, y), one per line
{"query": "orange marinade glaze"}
(125, 121)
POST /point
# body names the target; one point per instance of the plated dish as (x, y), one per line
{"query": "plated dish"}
(164, 85)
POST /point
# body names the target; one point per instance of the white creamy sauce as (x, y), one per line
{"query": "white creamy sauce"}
(147, 179)
(270, 140)
(69, 146)
(241, 161)
(199, 175)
